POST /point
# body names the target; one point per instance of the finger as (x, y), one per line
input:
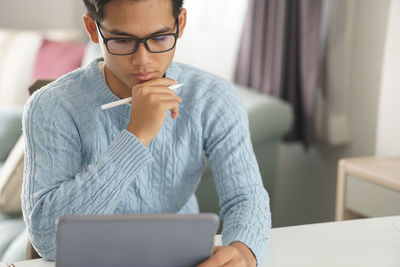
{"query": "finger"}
(157, 100)
(231, 264)
(219, 258)
(165, 103)
(171, 105)
(162, 96)
(160, 82)
(174, 113)
(152, 90)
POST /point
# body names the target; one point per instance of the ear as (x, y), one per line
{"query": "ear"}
(182, 21)
(90, 26)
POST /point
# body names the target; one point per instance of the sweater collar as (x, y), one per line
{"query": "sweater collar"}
(97, 82)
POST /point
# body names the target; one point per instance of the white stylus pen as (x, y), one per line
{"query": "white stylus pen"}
(129, 99)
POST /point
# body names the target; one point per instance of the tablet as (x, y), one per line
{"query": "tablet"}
(135, 240)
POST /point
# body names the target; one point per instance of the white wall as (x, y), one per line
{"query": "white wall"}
(211, 39)
(388, 143)
(41, 14)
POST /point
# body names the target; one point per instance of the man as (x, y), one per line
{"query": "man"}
(146, 157)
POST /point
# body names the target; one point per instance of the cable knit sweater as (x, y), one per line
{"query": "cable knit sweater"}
(80, 159)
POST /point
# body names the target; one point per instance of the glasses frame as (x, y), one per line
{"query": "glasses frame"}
(138, 41)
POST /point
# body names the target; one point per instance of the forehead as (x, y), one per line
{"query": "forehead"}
(139, 12)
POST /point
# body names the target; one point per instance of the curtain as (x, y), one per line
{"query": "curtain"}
(280, 56)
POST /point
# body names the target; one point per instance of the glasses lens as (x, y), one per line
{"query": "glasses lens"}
(121, 46)
(161, 43)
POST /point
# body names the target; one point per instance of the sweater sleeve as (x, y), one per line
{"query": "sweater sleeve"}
(54, 182)
(243, 200)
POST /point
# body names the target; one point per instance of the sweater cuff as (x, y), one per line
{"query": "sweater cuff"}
(255, 242)
(129, 153)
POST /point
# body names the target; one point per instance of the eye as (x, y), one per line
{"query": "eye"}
(123, 41)
(159, 38)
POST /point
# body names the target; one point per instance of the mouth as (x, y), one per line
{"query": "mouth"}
(144, 76)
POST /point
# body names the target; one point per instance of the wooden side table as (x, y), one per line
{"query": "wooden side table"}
(368, 187)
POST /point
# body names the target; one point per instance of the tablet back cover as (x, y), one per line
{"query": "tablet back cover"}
(135, 240)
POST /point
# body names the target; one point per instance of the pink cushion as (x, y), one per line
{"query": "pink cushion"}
(55, 59)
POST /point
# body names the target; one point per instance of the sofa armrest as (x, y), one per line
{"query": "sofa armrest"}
(10, 228)
(269, 117)
(10, 129)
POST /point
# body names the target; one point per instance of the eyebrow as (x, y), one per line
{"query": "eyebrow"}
(118, 32)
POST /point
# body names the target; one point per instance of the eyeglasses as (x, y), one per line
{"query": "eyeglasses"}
(155, 44)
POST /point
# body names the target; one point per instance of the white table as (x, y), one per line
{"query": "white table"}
(366, 242)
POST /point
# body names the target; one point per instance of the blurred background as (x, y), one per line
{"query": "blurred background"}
(334, 61)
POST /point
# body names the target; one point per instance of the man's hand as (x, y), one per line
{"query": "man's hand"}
(151, 102)
(236, 254)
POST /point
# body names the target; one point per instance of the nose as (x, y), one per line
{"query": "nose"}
(141, 55)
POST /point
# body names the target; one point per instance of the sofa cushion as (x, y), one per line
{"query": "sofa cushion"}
(56, 58)
(18, 49)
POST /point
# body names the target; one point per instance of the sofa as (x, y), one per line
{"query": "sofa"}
(269, 119)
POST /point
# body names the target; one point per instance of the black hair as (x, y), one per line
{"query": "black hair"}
(96, 8)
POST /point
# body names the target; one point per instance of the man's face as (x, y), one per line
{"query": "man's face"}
(140, 19)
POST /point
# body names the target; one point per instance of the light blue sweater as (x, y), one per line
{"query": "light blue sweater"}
(79, 159)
